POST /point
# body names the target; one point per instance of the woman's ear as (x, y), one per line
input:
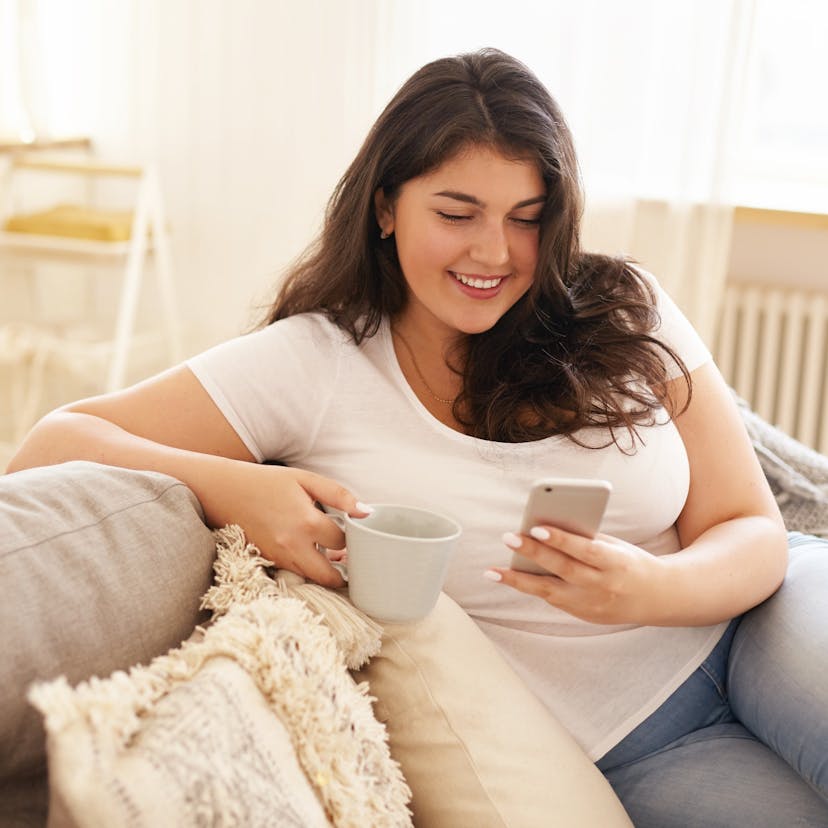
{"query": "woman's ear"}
(384, 211)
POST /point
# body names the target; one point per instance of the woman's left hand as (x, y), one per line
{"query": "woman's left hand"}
(603, 580)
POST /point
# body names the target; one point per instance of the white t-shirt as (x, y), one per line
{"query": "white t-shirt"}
(301, 392)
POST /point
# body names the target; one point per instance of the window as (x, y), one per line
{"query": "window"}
(781, 154)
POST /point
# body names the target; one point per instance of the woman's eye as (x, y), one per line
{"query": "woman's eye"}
(452, 218)
(455, 218)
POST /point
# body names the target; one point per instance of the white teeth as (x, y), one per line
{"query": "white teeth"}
(477, 283)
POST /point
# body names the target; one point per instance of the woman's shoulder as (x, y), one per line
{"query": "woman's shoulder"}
(310, 323)
(313, 329)
(318, 343)
(649, 279)
(674, 328)
(305, 342)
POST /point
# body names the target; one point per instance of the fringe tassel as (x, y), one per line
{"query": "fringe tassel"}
(241, 577)
(358, 636)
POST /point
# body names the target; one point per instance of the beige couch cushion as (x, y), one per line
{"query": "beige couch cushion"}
(475, 745)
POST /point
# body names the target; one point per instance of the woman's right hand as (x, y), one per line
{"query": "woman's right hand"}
(275, 505)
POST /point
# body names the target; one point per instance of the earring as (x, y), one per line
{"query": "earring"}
(384, 235)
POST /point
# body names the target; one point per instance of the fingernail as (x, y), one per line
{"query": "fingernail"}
(492, 575)
(539, 533)
(364, 507)
(512, 540)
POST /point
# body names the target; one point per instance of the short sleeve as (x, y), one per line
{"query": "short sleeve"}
(676, 331)
(274, 386)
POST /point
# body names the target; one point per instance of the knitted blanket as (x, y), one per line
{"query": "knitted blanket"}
(798, 475)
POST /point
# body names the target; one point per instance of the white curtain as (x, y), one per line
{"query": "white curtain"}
(15, 124)
(652, 90)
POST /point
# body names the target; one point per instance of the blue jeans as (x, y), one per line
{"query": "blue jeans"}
(744, 741)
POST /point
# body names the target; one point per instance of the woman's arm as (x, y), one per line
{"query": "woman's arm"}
(734, 545)
(734, 549)
(170, 424)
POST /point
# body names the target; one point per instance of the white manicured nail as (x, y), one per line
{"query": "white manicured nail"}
(364, 507)
(539, 533)
(512, 540)
(492, 575)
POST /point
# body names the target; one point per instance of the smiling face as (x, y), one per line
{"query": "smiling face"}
(467, 241)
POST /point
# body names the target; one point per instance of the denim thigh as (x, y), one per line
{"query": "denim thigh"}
(699, 702)
(754, 716)
(778, 668)
(717, 777)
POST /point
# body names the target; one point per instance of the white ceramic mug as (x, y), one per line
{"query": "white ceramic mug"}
(397, 560)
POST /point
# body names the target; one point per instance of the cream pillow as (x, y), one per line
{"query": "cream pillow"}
(475, 745)
(183, 763)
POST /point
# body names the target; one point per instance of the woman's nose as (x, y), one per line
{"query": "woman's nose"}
(490, 245)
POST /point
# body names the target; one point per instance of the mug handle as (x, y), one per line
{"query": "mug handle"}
(338, 517)
(341, 568)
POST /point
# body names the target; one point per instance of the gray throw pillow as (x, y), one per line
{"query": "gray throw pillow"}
(798, 475)
(100, 568)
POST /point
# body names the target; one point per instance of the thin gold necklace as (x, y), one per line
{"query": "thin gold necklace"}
(404, 341)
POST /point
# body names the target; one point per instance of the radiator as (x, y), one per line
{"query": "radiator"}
(772, 347)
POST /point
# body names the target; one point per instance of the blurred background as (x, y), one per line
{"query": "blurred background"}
(163, 161)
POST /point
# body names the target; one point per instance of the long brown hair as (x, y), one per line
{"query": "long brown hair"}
(577, 349)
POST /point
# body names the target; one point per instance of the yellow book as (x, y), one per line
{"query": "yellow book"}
(75, 221)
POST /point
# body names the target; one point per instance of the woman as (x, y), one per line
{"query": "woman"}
(444, 343)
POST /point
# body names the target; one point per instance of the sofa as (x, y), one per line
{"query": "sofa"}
(157, 673)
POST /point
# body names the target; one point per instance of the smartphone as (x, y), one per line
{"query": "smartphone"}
(572, 504)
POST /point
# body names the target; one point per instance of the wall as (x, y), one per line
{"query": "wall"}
(773, 247)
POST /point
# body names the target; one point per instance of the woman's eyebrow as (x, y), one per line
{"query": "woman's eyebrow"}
(470, 199)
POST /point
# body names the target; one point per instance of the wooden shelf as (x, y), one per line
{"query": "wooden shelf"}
(47, 144)
(148, 230)
(60, 247)
(77, 166)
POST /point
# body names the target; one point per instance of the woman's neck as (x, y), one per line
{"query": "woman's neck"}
(430, 366)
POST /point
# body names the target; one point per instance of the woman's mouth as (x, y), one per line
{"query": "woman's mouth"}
(479, 282)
